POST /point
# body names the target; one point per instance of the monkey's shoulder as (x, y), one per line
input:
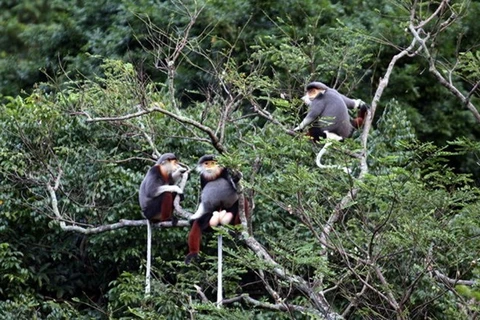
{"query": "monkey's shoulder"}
(329, 96)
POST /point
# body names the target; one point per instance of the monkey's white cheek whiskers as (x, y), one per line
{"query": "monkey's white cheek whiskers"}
(209, 174)
(306, 100)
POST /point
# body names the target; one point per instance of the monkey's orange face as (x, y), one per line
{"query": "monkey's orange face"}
(210, 170)
(169, 165)
(311, 95)
(210, 164)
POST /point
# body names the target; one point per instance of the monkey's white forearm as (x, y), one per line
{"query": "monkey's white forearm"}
(176, 175)
(352, 103)
(167, 188)
(358, 103)
(304, 123)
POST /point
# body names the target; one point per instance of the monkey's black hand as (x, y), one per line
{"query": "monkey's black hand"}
(235, 175)
(174, 221)
(364, 106)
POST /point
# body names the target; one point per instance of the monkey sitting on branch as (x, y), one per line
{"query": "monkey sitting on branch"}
(218, 203)
(328, 115)
(156, 196)
(159, 188)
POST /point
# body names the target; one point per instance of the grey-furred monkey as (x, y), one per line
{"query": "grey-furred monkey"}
(328, 113)
(218, 188)
(218, 203)
(158, 189)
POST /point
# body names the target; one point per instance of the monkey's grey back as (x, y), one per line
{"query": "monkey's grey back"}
(148, 187)
(219, 194)
(334, 111)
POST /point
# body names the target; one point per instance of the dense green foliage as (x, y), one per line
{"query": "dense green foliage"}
(398, 247)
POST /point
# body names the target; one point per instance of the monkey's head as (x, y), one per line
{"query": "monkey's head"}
(168, 162)
(208, 167)
(312, 90)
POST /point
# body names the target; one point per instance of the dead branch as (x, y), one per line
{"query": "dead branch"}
(277, 307)
(451, 281)
(415, 31)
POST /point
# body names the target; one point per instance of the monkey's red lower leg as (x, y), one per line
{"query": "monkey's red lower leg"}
(194, 239)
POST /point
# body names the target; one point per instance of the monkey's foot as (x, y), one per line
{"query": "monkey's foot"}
(225, 217)
(190, 257)
(215, 219)
(220, 218)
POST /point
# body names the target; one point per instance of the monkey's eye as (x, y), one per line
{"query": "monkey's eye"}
(209, 164)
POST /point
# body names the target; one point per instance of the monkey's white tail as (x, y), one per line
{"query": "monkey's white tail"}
(220, 272)
(149, 257)
(318, 160)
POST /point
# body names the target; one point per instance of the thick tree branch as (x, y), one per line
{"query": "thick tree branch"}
(121, 224)
(176, 203)
(451, 281)
(316, 297)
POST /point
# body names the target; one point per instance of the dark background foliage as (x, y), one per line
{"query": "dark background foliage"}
(61, 60)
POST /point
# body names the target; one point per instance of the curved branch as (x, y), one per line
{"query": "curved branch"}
(117, 118)
(451, 281)
(213, 137)
(414, 30)
(123, 222)
(158, 108)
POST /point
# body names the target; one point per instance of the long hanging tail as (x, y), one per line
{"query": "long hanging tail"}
(149, 257)
(361, 115)
(318, 159)
(220, 271)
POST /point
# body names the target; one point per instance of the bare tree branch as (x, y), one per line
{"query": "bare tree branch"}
(147, 136)
(266, 305)
(316, 298)
(201, 294)
(389, 294)
(453, 282)
(121, 224)
(158, 108)
(415, 31)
